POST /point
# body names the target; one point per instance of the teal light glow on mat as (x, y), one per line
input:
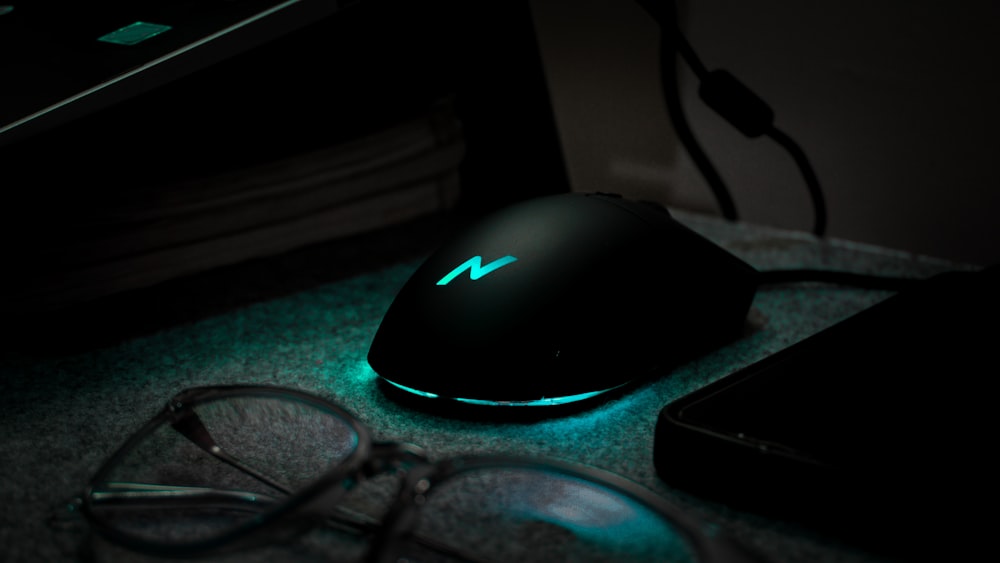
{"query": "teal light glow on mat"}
(363, 373)
(549, 401)
(134, 33)
(476, 268)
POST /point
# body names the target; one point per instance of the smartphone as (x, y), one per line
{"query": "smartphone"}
(880, 429)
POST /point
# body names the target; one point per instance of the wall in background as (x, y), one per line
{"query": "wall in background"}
(895, 102)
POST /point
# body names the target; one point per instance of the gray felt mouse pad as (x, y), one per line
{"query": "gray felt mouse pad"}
(62, 414)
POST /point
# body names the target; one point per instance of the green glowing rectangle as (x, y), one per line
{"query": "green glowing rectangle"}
(134, 33)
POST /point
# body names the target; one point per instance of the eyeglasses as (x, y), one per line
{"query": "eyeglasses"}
(230, 467)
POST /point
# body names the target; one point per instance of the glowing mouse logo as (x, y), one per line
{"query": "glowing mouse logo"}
(476, 268)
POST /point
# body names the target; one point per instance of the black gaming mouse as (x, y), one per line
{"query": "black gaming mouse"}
(557, 299)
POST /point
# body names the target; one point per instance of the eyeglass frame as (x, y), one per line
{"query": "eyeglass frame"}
(319, 498)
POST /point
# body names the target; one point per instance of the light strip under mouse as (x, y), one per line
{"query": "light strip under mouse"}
(547, 401)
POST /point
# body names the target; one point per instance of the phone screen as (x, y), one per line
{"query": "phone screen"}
(839, 403)
(885, 417)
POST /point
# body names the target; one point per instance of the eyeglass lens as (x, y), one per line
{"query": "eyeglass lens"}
(169, 489)
(534, 514)
(175, 486)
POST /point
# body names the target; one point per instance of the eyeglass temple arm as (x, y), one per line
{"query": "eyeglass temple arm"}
(189, 425)
(151, 495)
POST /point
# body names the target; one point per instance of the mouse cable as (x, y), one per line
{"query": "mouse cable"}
(836, 277)
(732, 100)
(670, 39)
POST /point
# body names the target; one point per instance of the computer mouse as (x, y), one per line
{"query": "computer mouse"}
(560, 298)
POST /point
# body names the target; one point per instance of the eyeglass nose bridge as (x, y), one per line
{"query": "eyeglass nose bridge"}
(381, 458)
(394, 456)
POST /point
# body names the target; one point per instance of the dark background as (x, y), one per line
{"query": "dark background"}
(371, 66)
(305, 318)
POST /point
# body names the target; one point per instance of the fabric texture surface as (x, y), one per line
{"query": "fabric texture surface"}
(64, 409)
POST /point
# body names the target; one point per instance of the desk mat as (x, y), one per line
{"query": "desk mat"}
(65, 407)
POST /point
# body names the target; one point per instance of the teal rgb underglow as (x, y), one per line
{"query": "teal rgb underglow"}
(476, 268)
(544, 402)
(134, 33)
